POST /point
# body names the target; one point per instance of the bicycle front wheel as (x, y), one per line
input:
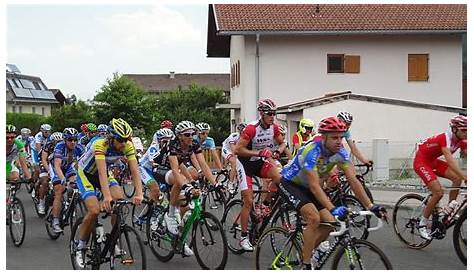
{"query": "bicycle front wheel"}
(128, 252)
(360, 255)
(276, 250)
(209, 242)
(460, 237)
(406, 219)
(17, 222)
(231, 224)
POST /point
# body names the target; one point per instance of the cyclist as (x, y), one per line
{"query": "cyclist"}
(253, 150)
(166, 124)
(15, 151)
(160, 140)
(301, 186)
(46, 157)
(347, 118)
(207, 142)
(279, 150)
(427, 165)
(84, 129)
(40, 140)
(101, 130)
(228, 153)
(27, 139)
(62, 170)
(89, 134)
(304, 133)
(92, 175)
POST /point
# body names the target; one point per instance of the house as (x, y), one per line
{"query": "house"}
(158, 83)
(408, 56)
(59, 96)
(27, 94)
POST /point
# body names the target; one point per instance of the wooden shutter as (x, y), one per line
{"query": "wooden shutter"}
(232, 76)
(352, 64)
(238, 73)
(418, 67)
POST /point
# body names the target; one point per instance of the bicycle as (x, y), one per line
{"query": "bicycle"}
(71, 209)
(205, 230)
(117, 247)
(284, 248)
(406, 218)
(16, 218)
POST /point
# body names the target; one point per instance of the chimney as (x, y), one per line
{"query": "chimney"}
(171, 74)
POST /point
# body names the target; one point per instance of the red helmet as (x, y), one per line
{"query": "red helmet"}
(331, 124)
(84, 128)
(266, 105)
(166, 124)
(459, 121)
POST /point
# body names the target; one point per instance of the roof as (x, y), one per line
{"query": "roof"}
(27, 88)
(164, 82)
(320, 19)
(346, 95)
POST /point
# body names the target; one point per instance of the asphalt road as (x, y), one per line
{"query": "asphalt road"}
(40, 252)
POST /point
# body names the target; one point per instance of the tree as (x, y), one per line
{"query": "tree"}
(123, 98)
(71, 116)
(28, 120)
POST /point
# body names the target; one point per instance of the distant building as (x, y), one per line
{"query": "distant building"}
(158, 83)
(27, 94)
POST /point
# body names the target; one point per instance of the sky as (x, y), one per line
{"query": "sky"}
(75, 48)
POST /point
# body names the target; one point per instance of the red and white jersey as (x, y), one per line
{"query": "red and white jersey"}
(259, 137)
(431, 147)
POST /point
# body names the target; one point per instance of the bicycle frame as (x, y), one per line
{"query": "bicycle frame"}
(195, 215)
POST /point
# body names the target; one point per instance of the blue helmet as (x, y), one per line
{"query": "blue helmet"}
(70, 133)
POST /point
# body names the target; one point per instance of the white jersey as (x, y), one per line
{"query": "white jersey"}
(231, 140)
(39, 139)
(147, 160)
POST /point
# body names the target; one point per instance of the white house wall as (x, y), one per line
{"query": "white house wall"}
(294, 68)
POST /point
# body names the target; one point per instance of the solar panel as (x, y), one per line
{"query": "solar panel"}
(22, 92)
(43, 94)
(13, 68)
(27, 83)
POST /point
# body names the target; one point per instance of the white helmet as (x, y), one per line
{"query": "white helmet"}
(203, 126)
(25, 131)
(184, 126)
(45, 127)
(345, 116)
(57, 136)
(162, 133)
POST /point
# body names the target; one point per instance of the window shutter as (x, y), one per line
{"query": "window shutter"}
(352, 64)
(238, 72)
(418, 67)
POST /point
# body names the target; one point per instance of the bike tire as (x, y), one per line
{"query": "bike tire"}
(128, 236)
(359, 228)
(208, 224)
(49, 227)
(17, 205)
(93, 246)
(231, 224)
(78, 211)
(458, 237)
(128, 189)
(214, 202)
(359, 244)
(159, 235)
(263, 251)
(412, 203)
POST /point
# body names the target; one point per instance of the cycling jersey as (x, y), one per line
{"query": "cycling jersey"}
(101, 149)
(431, 147)
(17, 150)
(40, 139)
(147, 160)
(84, 140)
(299, 139)
(314, 156)
(173, 148)
(67, 156)
(226, 145)
(259, 138)
(28, 141)
(80, 135)
(207, 144)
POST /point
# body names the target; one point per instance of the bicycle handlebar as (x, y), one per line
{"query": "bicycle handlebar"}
(344, 227)
(368, 167)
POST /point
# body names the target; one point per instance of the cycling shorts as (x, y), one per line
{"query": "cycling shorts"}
(35, 157)
(88, 183)
(429, 169)
(147, 176)
(69, 172)
(259, 168)
(298, 196)
(162, 174)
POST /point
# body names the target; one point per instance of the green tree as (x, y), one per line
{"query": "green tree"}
(123, 98)
(196, 104)
(71, 116)
(28, 120)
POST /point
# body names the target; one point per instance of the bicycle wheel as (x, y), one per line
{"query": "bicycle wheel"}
(128, 252)
(405, 219)
(281, 218)
(139, 216)
(17, 222)
(90, 255)
(209, 242)
(276, 250)
(214, 202)
(49, 226)
(128, 188)
(460, 237)
(159, 240)
(78, 211)
(360, 255)
(231, 224)
(359, 225)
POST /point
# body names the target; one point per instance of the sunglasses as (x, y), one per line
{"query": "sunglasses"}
(71, 140)
(11, 137)
(120, 140)
(204, 133)
(308, 128)
(270, 113)
(188, 134)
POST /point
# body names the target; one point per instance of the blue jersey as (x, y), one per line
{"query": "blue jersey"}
(152, 152)
(67, 156)
(207, 144)
(313, 157)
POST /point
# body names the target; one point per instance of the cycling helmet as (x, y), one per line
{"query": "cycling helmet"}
(459, 121)
(45, 127)
(282, 129)
(11, 128)
(91, 127)
(345, 116)
(184, 126)
(69, 133)
(331, 124)
(25, 131)
(203, 126)
(57, 136)
(119, 128)
(162, 133)
(305, 123)
(102, 128)
(166, 124)
(241, 126)
(266, 105)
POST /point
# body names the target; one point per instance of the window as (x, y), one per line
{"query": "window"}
(42, 111)
(33, 109)
(13, 108)
(418, 67)
(340, 63)
(20, 109)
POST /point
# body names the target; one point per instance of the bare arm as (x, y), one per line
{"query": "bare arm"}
(103, 177)
(205, 168)
(44, 160)
(356, 186)
(24, 166)
(174, 164)
(137, 181)
(242, 150)
(452, 163)
(217, 158)
(356, 151)
(57, 168)
(195, 162)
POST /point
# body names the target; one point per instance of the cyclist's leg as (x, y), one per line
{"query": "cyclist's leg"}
(311, 215)
(272, 172)
(247, 199)
(88, 195)
(43, 180)
(424, 169)
(149, 181)
(442, 170)
(14, 172)
(322, 233)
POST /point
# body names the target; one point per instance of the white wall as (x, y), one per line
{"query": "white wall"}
(294, 68)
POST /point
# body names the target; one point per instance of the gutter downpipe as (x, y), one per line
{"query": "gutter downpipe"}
(257, 69)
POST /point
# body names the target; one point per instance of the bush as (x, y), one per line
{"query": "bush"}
(28, 120)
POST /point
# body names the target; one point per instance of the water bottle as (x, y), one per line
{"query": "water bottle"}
(99, 230)
(258, 212)
(319, 252)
